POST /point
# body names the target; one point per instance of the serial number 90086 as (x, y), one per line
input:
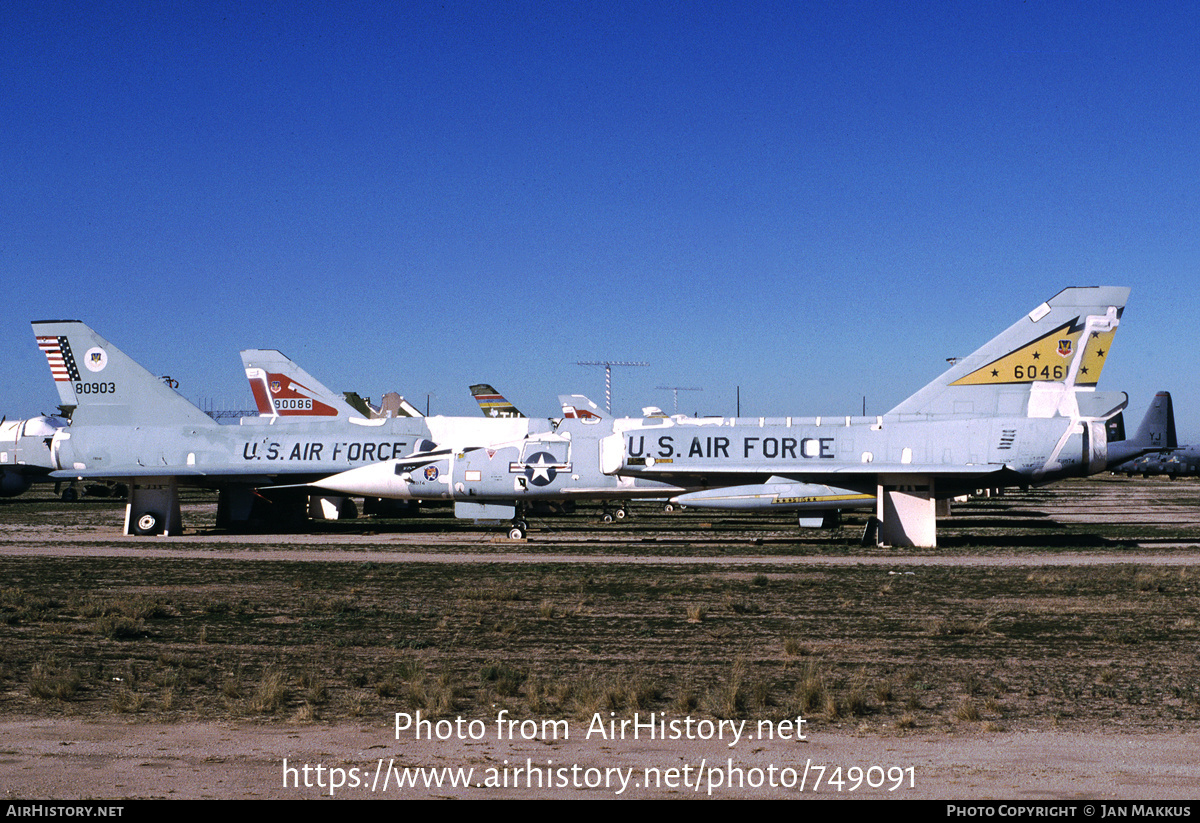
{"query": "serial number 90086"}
(95, 388)
(283, 404)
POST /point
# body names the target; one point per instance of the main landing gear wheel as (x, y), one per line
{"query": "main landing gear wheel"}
(621, 513)
(148, 523)
(607, 517)
(517, 531)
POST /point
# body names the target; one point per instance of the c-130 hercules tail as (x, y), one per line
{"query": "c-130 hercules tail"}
(1022, 410)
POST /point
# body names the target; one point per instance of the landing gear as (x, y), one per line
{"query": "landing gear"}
(518, 529)
(148, 523)
(153, 507)
(608, 515)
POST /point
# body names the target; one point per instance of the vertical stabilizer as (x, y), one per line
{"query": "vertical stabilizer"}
(492, 403)
(1156, 433)
(106, 386)
(1035, 366)
(1158, 426)
(576, 406)
(283, 389)
(393, 405)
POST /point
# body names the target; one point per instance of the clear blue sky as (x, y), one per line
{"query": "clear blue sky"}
(814, 201)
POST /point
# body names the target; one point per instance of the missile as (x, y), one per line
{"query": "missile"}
(777, 496)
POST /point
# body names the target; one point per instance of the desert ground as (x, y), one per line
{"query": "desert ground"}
(1047, 649)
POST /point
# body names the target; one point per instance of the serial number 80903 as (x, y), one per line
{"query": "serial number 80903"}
(95, 388)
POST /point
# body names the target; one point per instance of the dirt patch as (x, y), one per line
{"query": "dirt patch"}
(1037, 630)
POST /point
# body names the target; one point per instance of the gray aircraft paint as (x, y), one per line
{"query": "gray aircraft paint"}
(1021, 410)
(25, 456)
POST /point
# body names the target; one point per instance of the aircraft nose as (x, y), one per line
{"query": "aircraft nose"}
(375, 480)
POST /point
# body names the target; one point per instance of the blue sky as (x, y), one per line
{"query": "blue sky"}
(814, 202)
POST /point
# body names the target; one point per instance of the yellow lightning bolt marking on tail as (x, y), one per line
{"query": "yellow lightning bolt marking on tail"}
(1095, 354)
(1047, 359)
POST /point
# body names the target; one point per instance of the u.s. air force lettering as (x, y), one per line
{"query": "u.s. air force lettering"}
(771, 448)
(353, 452)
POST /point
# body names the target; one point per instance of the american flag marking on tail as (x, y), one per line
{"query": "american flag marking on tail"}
(62, 362)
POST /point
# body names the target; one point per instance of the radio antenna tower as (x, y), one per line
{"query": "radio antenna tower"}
(608, 364)
(675, 390)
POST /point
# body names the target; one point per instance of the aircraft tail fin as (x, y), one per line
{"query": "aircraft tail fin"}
(283, 389)
(492, 403)
(577, 406)
(1156, 433)
(393, 405)
(1034, 367)
(103, 385)
(1158, 426)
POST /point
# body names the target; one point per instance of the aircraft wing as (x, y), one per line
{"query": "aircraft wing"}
(662, 469)
(246, 473)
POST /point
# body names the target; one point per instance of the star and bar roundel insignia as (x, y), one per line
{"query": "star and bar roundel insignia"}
(541, 469)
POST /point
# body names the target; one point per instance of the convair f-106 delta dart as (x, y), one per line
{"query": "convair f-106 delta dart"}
(129, 425)
(1022, 410)
(548, 464)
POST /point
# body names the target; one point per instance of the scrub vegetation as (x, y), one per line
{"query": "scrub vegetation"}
(901, 646)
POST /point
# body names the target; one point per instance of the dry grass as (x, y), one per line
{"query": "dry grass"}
(1076, 646)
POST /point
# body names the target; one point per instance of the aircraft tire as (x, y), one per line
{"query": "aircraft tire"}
(148, 523)
(670, 507)
(516, 533)
(621, 513)
(607, 517)
(70, 494)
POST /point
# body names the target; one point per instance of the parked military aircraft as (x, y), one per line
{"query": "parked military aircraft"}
(492, 403)
(25, 452)
(1173, 460)
(1022, 410)
(551, 463)
(283, 389)
(1184, 462)
(816, 502)
(128, 424)
(545, 470)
